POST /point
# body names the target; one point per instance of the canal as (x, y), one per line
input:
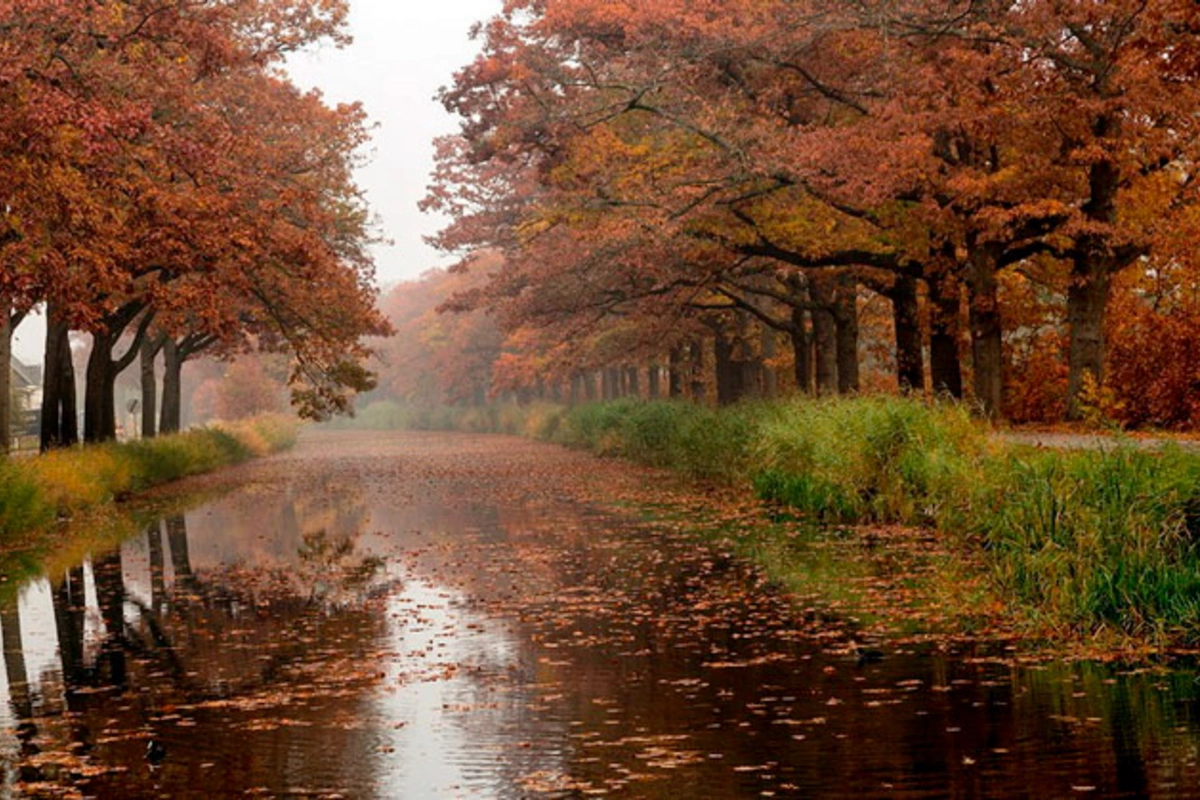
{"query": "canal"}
(402, 615)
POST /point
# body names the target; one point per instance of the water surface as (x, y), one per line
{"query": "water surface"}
(414, 616)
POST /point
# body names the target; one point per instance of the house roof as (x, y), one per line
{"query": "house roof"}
(25, 375)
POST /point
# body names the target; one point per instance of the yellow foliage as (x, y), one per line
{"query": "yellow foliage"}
(63, 482)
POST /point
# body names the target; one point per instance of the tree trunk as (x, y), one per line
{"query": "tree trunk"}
(150, 348)
(654, 381)
(748, 361)
(100, 412)
(6, 408)
(99, 401)
(945, 367)
(609, 383)
(675, 373)
(906, 315)
(824, 338)
(172, 389)
(845, 316)
(983, 310)
(60, 425)
(1092, 269)
(633, 382)
(802, 353)
(730, 387)
(1087, 301)
(696, 371)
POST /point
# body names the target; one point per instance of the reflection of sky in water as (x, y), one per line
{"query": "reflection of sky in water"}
(8, 724)
(40, 641)
(446, 690)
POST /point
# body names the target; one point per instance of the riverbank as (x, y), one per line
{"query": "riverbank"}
(35, 492)
(1090, 546)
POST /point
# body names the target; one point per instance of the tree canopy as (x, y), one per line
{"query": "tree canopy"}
(642, 160)
(164, 178)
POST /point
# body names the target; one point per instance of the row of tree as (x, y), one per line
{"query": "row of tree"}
(634, 177)
(165, 188)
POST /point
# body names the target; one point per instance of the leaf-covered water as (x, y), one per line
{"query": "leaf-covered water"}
(416, 616)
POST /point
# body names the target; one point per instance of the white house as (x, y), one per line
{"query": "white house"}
(27, 396)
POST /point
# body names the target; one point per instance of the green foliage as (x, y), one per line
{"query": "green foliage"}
(1098, 537)
(35, 491)
(874, 459)
(697, 441)
(21, 504)
(1083, 539)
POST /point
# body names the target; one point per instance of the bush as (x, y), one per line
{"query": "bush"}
(35, 491)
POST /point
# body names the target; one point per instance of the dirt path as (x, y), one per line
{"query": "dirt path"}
(1093, 441)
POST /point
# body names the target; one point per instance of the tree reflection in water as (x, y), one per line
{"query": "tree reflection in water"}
(231, 647)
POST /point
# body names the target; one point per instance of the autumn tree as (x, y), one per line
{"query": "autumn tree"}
(917, 144)
(135, 185)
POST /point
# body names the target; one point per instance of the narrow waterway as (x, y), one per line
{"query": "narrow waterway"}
(417, 615)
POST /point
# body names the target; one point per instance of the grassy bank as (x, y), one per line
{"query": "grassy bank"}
(37, 491)
(1072, 541)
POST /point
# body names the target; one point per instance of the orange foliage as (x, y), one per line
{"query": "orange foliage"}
(438, 357)
(1035, 373)
(1154, 352)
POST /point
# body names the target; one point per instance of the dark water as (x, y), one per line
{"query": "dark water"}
(285, 641)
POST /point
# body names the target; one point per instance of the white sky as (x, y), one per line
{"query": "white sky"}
(403, 52)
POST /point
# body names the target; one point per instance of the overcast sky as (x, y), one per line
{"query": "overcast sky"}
(403, 52)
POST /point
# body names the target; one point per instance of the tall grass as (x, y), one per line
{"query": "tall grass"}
(697, 441)
(1084, 540)
(869, 460)
(36, 491)
(1097, 538)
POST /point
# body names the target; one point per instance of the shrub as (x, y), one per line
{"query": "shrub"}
(873, 459)
(35, 491)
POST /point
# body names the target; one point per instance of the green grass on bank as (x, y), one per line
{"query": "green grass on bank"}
(1085, 540)
(36, 491)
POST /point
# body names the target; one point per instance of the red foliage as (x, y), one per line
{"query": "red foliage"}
(1154, 357)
